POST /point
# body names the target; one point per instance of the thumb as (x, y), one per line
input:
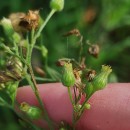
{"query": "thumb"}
(110, 108)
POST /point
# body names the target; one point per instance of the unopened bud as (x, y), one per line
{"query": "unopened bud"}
(44, 51)
(77, 107)
(7, 26)
(87, 106)
(32, 112)
(89, 89)
(11, 89)
(57, 5)
(9, 30)
(68, 78)
(100, 81)
(16, 37)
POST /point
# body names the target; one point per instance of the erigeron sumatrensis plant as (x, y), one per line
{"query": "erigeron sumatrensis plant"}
(22, 31)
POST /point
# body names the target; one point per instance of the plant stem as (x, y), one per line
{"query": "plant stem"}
(82, 108)
(75, 95)
(17, 113)
(16, 47)
(81, 49)
(44, 24)
(30, 47)
(35, 89)
(31, 78)
(44, 79)
(73, 104)
(70, 95)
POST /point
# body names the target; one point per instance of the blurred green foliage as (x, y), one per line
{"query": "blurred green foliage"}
(104, 22)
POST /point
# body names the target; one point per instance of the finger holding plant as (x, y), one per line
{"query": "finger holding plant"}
(22, 31)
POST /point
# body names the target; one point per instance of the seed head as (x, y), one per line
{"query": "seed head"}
(30, 20)
(94, 50)
(25, 22)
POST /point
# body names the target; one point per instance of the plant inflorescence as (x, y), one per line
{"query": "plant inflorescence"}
(22, 32)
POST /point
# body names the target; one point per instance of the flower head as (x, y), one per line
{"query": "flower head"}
(57, 5)
(68, 78)
(99, 82)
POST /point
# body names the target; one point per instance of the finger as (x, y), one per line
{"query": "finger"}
(55, 98)
(110, 108)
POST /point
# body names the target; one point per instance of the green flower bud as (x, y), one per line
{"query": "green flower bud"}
(44, 51)
(100, 81)
(68, 78)
(89, 89)
(11, 89)
(9, 30)
(77, 107)
(16, 37)
(7, 26)
(87, 106)
(57, 5)
(32, 112)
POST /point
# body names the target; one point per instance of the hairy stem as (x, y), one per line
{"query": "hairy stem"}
(73, 104)
(82, 108)
(32, 82)
(70, 95)
(44, 24)
(31, 78)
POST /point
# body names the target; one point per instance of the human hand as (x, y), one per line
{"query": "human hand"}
(110, 107)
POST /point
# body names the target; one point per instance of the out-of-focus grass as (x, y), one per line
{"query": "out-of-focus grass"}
(104, 22)
(8, 120)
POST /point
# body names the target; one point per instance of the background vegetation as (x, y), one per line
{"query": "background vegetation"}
(104, 22)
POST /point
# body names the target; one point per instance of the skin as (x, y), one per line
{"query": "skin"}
(110, 107)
